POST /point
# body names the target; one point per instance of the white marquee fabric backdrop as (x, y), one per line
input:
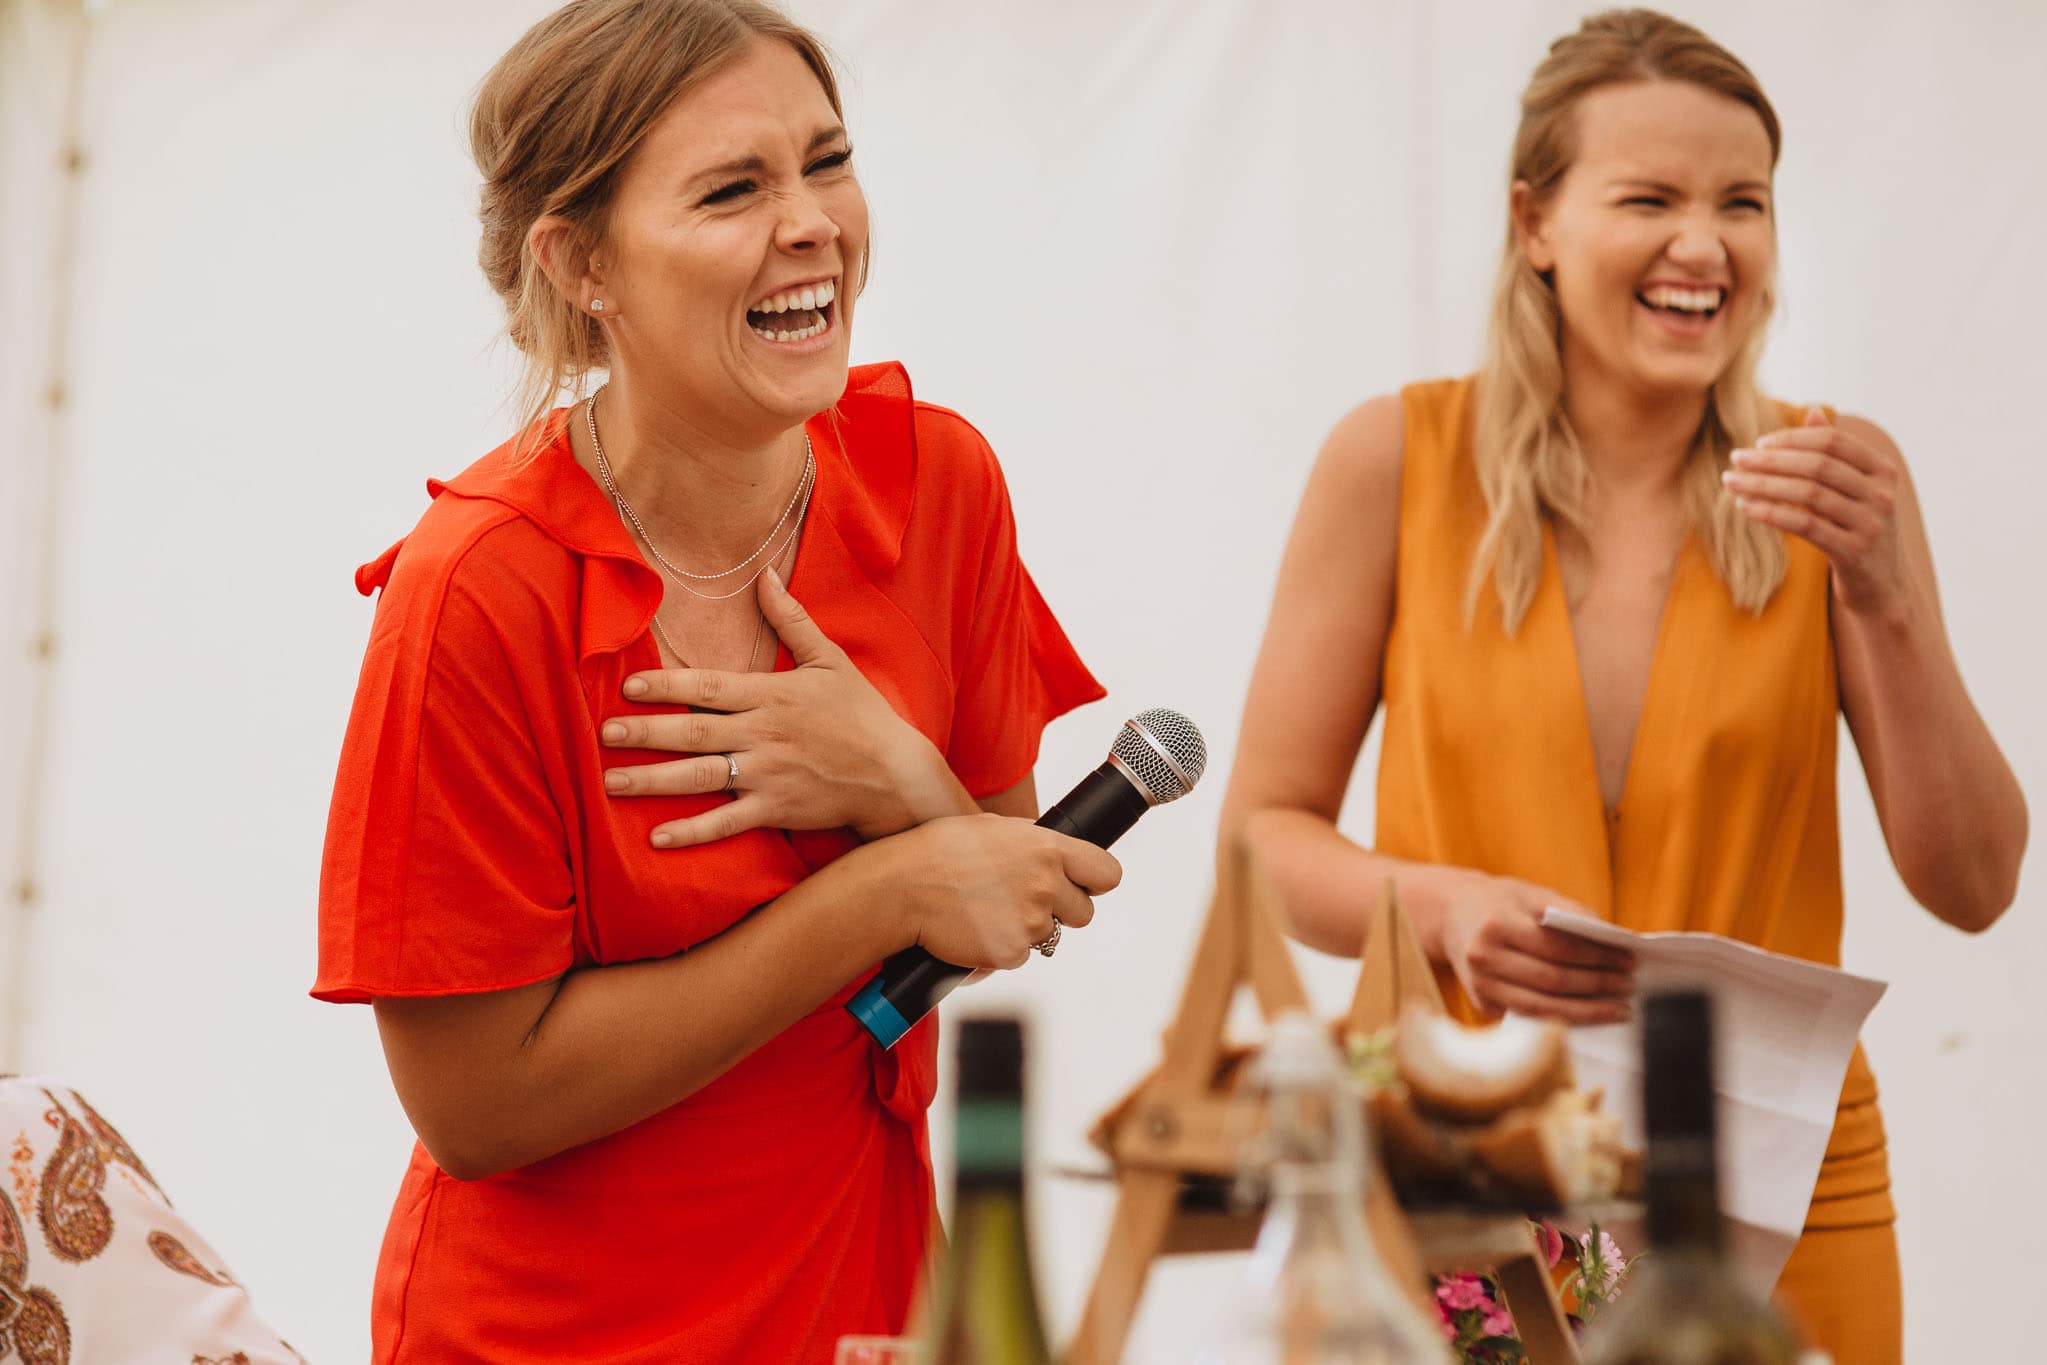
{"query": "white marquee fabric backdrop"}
(1153, 250)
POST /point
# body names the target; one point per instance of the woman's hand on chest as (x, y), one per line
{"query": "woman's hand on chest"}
(816, 747)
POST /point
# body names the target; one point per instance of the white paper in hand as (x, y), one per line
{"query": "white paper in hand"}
(1784, 1029)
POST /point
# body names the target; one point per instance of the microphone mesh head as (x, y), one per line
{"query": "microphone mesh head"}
(1164, 750)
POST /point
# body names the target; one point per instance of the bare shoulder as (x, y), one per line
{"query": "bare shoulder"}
(1871, 435)
(1355, 485)
(1365, 447)
(1893, 476)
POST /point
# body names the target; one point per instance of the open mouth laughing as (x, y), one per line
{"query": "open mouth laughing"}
(1691, 304)
(796, 313)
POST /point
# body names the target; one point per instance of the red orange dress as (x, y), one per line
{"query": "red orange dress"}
(471, 847)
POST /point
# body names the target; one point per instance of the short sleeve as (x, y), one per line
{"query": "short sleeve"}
(447, 864)
(1018, 671)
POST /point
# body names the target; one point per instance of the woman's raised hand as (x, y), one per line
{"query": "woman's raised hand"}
(1492, 936)
(1824, 483)
(816, 747)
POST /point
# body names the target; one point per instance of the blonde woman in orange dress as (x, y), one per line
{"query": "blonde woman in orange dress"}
(1612, 601)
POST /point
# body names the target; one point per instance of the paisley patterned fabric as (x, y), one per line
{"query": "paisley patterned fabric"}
(95, 1265)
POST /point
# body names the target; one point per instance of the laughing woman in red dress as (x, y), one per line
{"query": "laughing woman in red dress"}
(619, 824)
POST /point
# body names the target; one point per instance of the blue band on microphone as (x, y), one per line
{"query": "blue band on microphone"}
(881, 1019)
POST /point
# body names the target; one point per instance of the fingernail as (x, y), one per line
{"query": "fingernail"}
(636, 687)
(614, 781)
(662, 838)
(1743, 456)
(774, 579)
(614, 730)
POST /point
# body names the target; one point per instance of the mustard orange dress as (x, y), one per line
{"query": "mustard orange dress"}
(1727, 819)
(471, 847)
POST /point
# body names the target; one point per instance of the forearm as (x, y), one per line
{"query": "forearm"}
(1952, 810)
(610, 1046)
(1329, 884)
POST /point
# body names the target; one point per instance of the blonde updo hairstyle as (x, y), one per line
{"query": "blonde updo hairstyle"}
(554, 125)
(1529, 462)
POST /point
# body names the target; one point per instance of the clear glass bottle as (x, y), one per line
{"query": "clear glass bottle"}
(1683, 1305)
(985, 1311)
(1318, 1294)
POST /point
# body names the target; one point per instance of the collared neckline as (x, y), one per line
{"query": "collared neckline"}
(866, 474)
(866, 495)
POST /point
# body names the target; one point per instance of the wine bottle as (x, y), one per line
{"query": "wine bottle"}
(1683, 1305)
(985, 1311)
(1318, 1293)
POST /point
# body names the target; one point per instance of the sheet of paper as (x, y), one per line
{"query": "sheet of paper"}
(1784, 1031)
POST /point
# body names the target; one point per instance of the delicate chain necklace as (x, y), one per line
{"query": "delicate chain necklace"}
(804, 488)
(752, 655)
(800, 492)
(759, 634)
(669, 644)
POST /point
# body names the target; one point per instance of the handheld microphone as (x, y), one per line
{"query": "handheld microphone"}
(1158, 757)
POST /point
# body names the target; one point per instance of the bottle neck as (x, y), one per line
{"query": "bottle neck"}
(1315, 1187)
(988, 1142)
(1314, 1149)
(1682, 1189)
(988, 1183)
(988, 1300)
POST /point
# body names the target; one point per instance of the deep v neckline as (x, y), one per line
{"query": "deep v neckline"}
(1647, 711)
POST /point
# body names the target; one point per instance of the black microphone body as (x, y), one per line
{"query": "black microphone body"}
(1100, 809)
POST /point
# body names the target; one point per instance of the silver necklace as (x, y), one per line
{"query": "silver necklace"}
(760, 631)
(752, 655)
(804, 487)
(800, 492)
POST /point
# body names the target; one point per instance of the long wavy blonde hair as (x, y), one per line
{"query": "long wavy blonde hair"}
(1529, 462)
(555, 123)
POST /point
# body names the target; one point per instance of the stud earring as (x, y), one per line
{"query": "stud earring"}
(597, 305)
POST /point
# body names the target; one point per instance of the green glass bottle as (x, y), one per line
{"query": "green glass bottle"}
(1684, 1305)
(986, 1308)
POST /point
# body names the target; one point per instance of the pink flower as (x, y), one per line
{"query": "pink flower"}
(1551, 1241)
(1611, 1262)
(1463, 1291)
(1499, 1323)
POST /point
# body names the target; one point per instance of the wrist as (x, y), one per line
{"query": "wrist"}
(922, 786)
(1427, 892)
(885, 900)
(1893, 620)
